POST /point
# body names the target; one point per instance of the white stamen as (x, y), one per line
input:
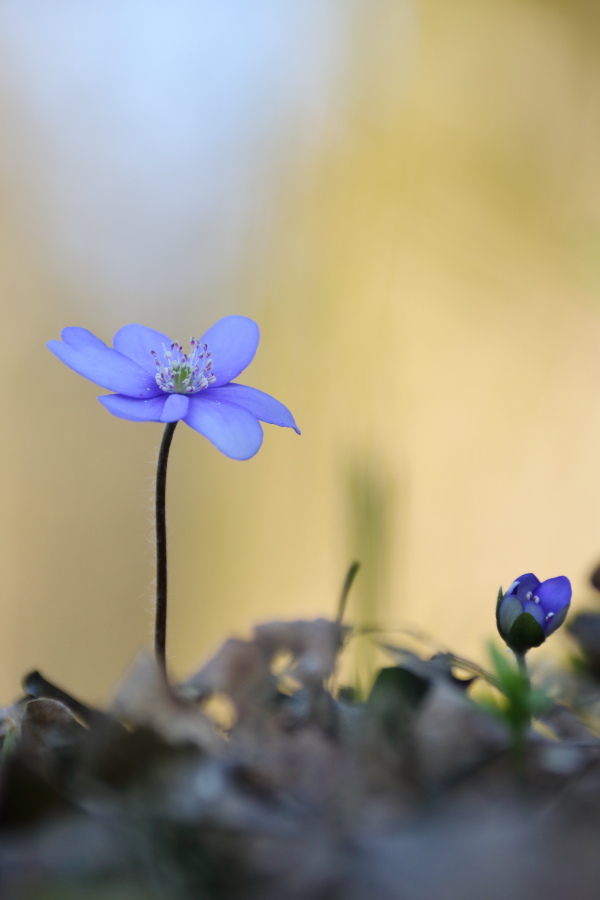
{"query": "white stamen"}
(528, 595)
(536, 599)
(184, 373)
(549, 616)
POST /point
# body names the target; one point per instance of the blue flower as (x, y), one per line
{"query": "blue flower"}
(531, 610)
(154, 380)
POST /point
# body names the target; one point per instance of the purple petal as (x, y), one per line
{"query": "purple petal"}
(261, 405)
(137, 342)
(554, 594)
(556, 621)
(81, 339)
(90, 357)
(135, 410)
(176, 408)
(522, 586)
(536, 611)
(232, 342)
(231, 428)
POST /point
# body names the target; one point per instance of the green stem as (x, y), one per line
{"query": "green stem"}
(160, 628)
(523, 722)
(522, 664)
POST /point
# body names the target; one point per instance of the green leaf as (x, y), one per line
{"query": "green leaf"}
(396, 684)
(510, 681)
(499, 600)
(502, 666)
(396, 694)
(539, 703)
(525, 634)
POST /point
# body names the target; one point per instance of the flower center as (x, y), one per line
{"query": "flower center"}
(184, 373)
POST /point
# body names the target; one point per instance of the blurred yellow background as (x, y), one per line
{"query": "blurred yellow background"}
(406, 197)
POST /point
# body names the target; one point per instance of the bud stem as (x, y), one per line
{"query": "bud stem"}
(524, 723)
(160, 628)
(522, 664)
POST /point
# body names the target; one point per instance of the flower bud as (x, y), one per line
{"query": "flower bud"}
(531, 610)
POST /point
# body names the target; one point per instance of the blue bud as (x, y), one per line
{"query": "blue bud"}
(531, 610)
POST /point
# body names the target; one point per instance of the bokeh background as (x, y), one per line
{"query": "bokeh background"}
(406, 197)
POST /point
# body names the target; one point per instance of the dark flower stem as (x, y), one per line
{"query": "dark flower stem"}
(160, 628)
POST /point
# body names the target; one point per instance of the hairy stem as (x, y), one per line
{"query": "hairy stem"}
(160, 628)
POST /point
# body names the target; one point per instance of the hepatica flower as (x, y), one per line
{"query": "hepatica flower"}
(531, 610)
(155, 380)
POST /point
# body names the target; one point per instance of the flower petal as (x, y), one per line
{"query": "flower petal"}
(137, 342)
(231, 428)
(508, 612)
(81, 339)
(555, 621)
(90, 357)
(523, 585)
(135, 410)
(261, 405)
(535, 610)
(232, 342)
(176, 408)
(554, 594)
